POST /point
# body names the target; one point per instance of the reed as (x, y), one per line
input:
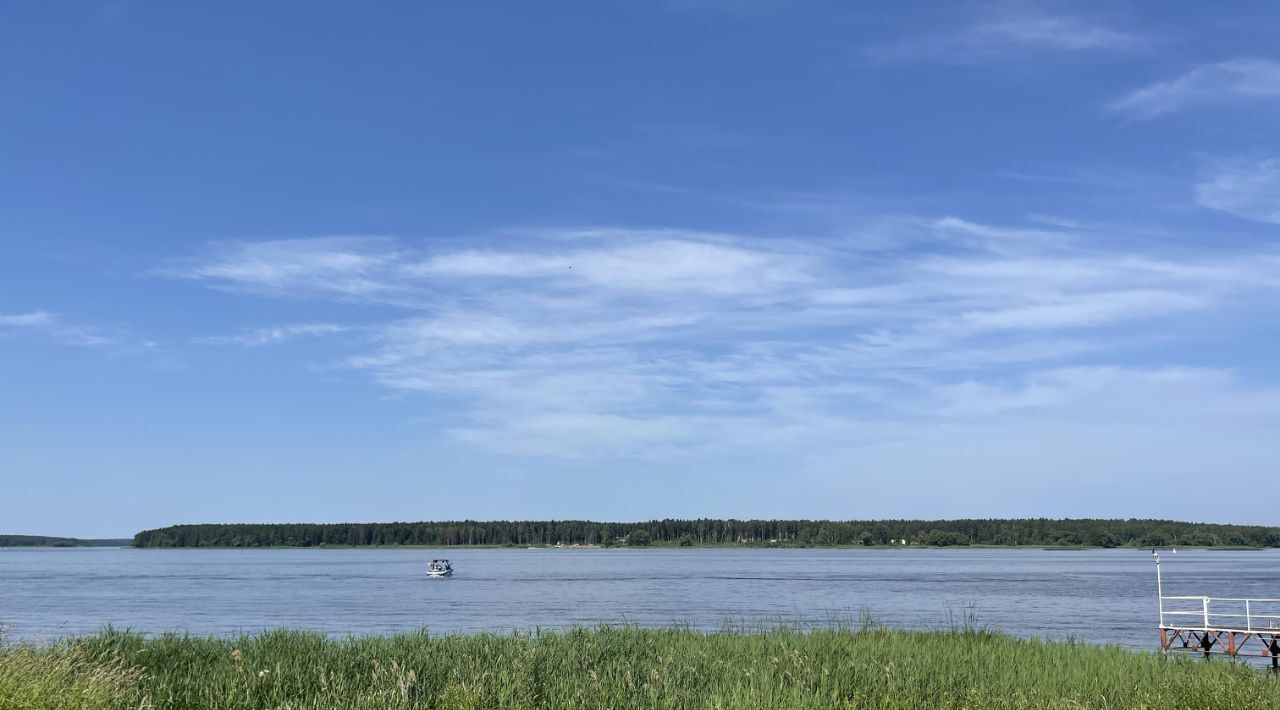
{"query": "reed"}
(65, 678)
(785, 667)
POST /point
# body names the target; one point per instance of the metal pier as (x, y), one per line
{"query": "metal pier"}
(1236, 628)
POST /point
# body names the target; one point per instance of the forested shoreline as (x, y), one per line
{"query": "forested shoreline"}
(939, 533)
(46, 541)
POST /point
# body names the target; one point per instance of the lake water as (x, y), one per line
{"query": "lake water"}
(1100, 595)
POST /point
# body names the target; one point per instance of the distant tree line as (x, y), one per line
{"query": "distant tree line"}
(939, 533)
(43, 541)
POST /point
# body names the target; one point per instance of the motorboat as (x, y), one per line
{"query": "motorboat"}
(440, 568)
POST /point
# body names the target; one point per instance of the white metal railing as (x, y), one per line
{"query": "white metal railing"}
(1241, 614)
(1259, 614)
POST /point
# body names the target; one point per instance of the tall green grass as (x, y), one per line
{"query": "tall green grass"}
(618, 668)
(65, 679)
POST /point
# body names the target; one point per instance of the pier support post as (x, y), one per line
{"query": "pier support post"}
(1207, 644)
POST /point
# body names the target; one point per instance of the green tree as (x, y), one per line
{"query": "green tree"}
(1155, 538)
(1102, 538)
(639, 538)
(943, 538)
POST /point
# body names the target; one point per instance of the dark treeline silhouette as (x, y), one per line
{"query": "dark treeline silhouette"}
(44, 541)
(1085, 532)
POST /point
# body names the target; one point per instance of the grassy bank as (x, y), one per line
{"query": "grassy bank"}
(616, 668)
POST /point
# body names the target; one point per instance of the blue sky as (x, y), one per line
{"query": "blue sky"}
(338, 261)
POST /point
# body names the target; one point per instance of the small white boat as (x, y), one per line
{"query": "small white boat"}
(440, 568)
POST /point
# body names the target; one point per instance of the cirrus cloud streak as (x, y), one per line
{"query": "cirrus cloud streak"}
(604, 343)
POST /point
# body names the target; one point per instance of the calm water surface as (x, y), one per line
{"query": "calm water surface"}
(1100, 595)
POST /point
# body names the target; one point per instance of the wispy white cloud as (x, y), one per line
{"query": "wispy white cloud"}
(54, 327)
(660, 265)
(351, 267)
(26, 320)
(1235, 80)
(996, 38)
(615, 342)
(1060, 387)
(276, 334)
(85, 336)
(1245, 188)
(1084, 310)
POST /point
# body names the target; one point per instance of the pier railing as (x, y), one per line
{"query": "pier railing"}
(1232, 626)
(1206, 613)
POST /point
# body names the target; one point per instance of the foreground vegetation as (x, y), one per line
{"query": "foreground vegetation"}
(1038, 532)
(616, 668)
